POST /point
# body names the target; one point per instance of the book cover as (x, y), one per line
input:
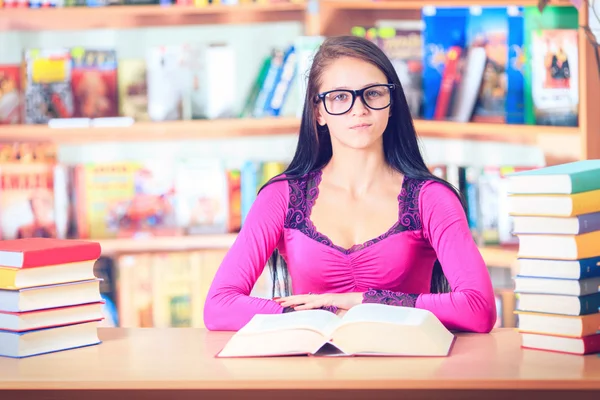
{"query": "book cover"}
(552, 17)
(133, 89)
(94, 83)
(555, 77)
(202, 196)
(235, 200)
(402, 42)
(166, 75)
(128, 199)
(47, 85)
(488, 28)
(27, 200)
(444, 28)
(10, 94)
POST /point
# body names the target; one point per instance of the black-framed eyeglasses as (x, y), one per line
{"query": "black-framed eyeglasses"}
(340, 101)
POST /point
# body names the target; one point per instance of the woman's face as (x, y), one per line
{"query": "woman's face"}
(360, 127)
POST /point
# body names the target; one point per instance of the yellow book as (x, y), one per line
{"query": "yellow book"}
(21, 278)
(554, 205)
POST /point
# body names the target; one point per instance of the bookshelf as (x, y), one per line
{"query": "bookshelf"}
(320, 17)
(112, 247)
(227, 128)
(155, 131)
(128, 17)
(336, 17)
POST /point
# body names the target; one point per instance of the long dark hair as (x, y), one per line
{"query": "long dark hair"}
(314, 150)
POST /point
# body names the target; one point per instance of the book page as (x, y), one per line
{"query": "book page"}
(320, 321)
(386, 314)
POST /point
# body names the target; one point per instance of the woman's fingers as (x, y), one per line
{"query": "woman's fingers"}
(301, 302)
(304, 307)
(300, 299)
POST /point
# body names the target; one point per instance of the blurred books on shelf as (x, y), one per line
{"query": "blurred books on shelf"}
(49, 296)
(558, 285)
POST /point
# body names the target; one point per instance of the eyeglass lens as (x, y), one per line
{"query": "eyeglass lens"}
(341, 101)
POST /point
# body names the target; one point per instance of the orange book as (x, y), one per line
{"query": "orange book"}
(559, 247)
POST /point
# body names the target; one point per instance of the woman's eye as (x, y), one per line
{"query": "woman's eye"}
(373, 93)
(340, 97)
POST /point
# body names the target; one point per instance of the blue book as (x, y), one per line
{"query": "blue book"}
(561, 269)
(444, 28)
(515, 68)
(249, 186)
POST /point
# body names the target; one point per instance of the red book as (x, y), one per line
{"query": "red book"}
(41, 252)
(449, 82)
(573, 345)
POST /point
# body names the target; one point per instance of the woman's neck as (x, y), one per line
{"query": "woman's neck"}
(357, 171)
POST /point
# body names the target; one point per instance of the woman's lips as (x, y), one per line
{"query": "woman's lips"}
(360, 126)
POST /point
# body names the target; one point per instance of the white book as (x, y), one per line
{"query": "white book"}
(51, 296)
(365, 330)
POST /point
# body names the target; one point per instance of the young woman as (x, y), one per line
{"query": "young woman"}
(357, 216)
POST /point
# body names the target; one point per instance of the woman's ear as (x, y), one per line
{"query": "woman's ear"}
(320, 120)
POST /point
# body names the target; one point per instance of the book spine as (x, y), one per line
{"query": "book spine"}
(585, 181)
(591, 344)
(589, 267)
(589, 222)
(515, 97)
(589, 304)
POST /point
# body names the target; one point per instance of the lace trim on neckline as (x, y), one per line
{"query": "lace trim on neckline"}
(304, 192)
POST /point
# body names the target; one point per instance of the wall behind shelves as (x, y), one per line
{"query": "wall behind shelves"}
(281, 148)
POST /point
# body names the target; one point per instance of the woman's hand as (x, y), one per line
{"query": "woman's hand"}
(344, 301)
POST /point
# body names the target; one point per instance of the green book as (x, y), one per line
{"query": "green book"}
(570, 178)
(255, 89)
(553, 17)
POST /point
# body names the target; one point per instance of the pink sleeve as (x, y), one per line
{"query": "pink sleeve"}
(471, 304)
(229, 305)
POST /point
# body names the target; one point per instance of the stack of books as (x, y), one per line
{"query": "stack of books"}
(49, 297)
(556, 217)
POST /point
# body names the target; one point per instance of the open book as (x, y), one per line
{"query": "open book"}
(365, 330)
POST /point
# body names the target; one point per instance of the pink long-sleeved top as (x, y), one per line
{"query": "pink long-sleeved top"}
(431, 225)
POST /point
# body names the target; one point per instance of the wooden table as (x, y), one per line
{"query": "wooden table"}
(179, 363)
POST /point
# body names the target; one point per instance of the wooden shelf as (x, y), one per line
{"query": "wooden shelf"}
(127, 17)
(502, 257)
(524, 134)
(225, 128)
(153, 131)
(111, 247)
(493, 256)
(419, 4)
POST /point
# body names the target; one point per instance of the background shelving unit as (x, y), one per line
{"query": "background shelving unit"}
(227, 128)
(128, 17)
(319, 17)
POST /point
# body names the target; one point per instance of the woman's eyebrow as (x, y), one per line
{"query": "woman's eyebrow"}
(348, 88)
